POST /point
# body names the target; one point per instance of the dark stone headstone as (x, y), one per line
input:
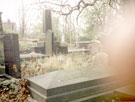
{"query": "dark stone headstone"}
(47, 22)
(12, 55)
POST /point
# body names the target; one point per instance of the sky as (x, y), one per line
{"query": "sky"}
(9, 9)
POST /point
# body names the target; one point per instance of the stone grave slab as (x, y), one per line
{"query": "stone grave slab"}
(72, 84)
(78, 50)
(32, 54)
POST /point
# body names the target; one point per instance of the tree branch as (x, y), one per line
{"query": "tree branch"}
(81, 5)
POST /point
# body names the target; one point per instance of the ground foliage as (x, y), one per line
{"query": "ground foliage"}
(34, 67)
(106, 98)
(14, 90)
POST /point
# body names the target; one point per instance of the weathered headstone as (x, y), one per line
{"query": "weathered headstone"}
(12, 55)
(1, 52)
(47, 21)
(49, 43)
(47, 29)
(1, 42)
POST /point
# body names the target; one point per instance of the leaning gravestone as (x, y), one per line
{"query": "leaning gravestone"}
(12, 55)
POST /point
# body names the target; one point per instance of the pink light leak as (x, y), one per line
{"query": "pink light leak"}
(121, 43)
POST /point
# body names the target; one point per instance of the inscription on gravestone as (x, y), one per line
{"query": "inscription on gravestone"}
(12, 55)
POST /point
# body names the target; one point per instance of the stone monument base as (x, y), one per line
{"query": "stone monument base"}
(75, 85)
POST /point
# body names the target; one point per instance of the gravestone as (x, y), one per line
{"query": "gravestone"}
(47, 29)
(47, 21)
(1, 46)
(1, 51)
(12, 55)
(49, 42)
(1, 28)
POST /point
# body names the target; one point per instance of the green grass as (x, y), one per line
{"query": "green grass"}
(106, 98)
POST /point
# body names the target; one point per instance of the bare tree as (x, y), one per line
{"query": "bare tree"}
(22, 18)
(66, 8)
